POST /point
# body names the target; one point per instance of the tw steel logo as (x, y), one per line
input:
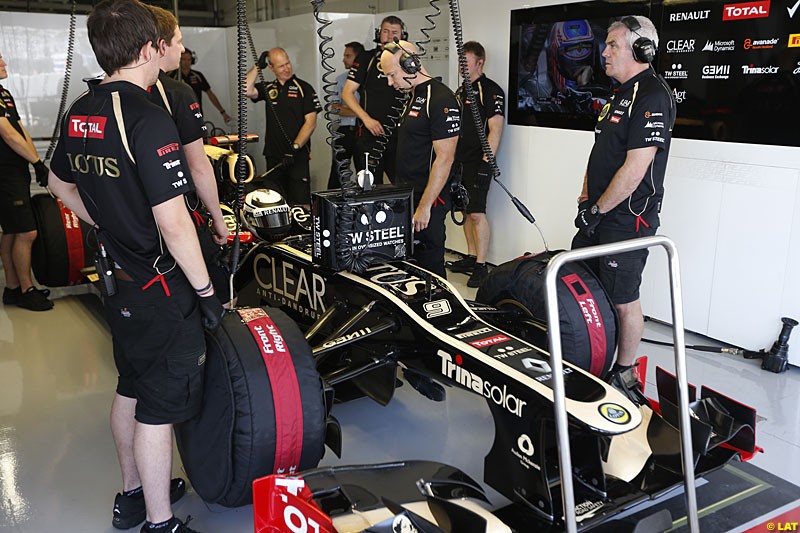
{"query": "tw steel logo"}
(89, 127)
(746, 10)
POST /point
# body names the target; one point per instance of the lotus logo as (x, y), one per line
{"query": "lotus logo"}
(614, 413)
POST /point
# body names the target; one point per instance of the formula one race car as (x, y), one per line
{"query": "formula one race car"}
(346, 311)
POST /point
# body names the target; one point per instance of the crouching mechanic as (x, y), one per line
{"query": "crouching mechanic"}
(119, 166)
(624, 181)
(427, 139)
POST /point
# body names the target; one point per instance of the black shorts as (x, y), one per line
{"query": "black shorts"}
(620, 274)
(159, 349)
(16, 214)
(477, 186)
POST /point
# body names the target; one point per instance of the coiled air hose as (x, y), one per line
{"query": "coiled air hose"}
(65, 87)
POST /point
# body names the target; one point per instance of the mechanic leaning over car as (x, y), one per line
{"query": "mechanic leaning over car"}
(292, 107)
(179, 101)
(119, 166)
(624, 181)
(426, 145)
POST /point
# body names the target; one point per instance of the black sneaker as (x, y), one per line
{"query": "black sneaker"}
(11, 296)
(173, 525)
(129, 511)
(479, 273)
(624, 380)
(462, 265)
(34, 300)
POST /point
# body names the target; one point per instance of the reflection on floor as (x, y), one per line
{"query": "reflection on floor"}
(58, 470)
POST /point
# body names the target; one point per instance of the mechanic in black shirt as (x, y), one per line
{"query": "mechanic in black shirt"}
(16, 215)
(375, 107)
(624, 181)
(198, 82)
(476, 170)
(119, 165)
(179, 101)
(426, 141)
(292, 106)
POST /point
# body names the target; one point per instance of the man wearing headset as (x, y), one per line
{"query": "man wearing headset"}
(198, 82)
(427, 138)
(119, 165)
(624, 181)
(374, 110)
(292, 106)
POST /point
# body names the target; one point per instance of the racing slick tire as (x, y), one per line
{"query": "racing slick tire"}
(588, 319)
(263, 407)
(59, 252)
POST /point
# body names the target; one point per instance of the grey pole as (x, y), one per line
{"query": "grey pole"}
(557, 364)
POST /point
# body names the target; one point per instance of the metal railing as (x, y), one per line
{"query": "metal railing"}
(557, 364)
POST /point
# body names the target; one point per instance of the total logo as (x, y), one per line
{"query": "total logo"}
(761, 44)
(676, 73)
(794, 40)
(720, 46)
(746, 10)
(750, 69)
(679, 96)
(677, 46)
(494, 393)
(716, 72)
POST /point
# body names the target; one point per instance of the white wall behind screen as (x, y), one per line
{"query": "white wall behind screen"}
(211, 47)
(733, 210)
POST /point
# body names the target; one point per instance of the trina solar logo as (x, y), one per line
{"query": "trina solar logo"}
(746, 10)
(794, 40)
(496, 394)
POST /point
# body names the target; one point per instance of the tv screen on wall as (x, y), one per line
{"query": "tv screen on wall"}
(733, 67)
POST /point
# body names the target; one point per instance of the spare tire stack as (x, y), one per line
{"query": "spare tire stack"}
(263, 407)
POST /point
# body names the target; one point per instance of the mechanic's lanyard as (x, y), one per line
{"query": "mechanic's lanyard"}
(438, 201)
(640, 220)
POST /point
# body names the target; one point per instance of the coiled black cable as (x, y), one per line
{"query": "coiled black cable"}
(65, 87)
(421, 51)
(331, 97)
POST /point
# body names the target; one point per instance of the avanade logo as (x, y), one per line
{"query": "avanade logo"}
(746, 10)
(760, 44)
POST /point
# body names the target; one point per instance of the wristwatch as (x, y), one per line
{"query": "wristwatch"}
(295, 147)
(595, 210)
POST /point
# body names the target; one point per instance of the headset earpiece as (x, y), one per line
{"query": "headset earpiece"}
(644, 49)
(409, 61)
(191, 52)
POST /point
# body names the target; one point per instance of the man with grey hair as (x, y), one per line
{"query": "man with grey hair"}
(624, 181)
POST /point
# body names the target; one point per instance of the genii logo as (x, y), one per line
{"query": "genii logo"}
(746, 10)
(90, 127)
